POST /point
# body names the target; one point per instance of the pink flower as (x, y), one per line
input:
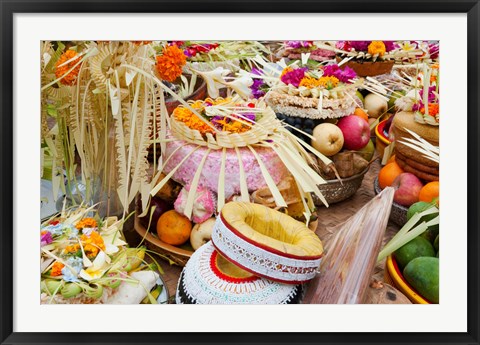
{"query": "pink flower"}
(294, 77)
(360, 46)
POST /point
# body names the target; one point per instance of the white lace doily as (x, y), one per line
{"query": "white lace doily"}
(202, 283)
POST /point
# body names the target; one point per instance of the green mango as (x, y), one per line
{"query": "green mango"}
(422, 274)
(417, 247)
(432, 231)
(436, 243)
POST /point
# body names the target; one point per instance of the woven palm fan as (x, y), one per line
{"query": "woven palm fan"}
(208, 278)
(267, 243)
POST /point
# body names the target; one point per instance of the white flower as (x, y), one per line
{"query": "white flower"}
(97, 270)
(241, 86)
(214, 80)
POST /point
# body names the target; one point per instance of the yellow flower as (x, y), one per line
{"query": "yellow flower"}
(60, 71)
(376, 47)
(169, 64)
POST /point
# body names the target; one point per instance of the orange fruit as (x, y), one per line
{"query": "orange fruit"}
(391, 159)
(388, 173)
(361, 113)
(173, 228)
(429, 192)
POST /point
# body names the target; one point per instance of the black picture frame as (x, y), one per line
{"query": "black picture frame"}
(10, 7)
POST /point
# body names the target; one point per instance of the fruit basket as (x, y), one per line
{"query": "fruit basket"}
(394, 277)
(398, 215)
(179, 255)
(339, 190)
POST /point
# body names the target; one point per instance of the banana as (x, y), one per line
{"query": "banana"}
(135, 257)
(154, 294)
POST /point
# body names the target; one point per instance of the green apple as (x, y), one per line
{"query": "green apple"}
(359, 95)
(368, 151)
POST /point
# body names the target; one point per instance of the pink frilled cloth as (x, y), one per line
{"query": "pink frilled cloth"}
(211, 169)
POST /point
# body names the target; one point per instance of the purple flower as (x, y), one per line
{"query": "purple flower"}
(433, 50)
(249, 116)
(431, 95)
(417, 106)
(294, 77)
(360, 46)
(330, 70)
(257, 88)
(298, 44)
(215, 121)
(256, 71)
(389, 45)
(45, 238)
(345, 75)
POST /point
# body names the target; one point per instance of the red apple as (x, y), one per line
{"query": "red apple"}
(356, 132)
(407, 188)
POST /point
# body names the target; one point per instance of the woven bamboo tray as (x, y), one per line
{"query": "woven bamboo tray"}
(398, 215)
(336, 191)
(267, 125)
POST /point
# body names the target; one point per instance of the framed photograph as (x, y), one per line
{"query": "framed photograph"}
(313, 38)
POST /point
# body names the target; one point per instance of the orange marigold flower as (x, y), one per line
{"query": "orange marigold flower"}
(169, 64)
(376, 47)
(72, 249)
(433, 109)
(233, 126)
(190, 119)
(61, 71)
(86, 223)
(92, 244)
(328, 82)
(138, 43)
(57, 269)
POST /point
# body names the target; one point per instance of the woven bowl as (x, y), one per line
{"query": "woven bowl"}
(398, 214)
(369, 68)
(267, 125)
(393, 276)
(335, 190)
(381, 140)
(178, 255)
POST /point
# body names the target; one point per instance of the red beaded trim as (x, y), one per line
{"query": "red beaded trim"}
(264, 247)
(223, 276)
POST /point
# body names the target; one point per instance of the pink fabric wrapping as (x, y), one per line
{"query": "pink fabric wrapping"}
(211, 168)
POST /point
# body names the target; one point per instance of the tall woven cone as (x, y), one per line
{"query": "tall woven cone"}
(351, 255)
